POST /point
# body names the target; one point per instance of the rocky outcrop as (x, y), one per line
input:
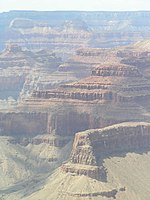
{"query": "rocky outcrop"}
(132, 53)
(141, 61)
(82, 63)
(112, 94)
(92, 145)
(116, 70)
(25, 70)
(15, 56)
(93, 172)
(108, 83)
(134, 135)
(91, 52)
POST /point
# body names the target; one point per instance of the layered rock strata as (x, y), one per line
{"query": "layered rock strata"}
(47, 139)
(23, 124)
(86, 58)
(15, 56)
(117, 83)
(67, 31)
(137, 56)
(25, 70)
(91, 146)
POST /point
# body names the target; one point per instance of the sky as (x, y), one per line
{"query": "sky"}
(90, 5)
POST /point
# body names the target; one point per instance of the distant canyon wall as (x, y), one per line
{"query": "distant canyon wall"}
(22, 124)
(71, 30)
(61, 123)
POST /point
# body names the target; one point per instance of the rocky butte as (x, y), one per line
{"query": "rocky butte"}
(91, 146)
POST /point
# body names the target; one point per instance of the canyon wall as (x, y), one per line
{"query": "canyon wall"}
(107, 83)
(68, 31)
(23, 124)
(21, 71)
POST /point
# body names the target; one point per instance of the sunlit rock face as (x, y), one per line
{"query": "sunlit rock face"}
(107, 83)
(91, 146)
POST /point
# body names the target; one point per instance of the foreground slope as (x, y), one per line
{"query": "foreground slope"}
(134, 186)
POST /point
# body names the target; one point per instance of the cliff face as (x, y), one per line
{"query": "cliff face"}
(112, 139)
(138, 55)
(108, 83)
(71, 30)
(14, 56)
(22, 124)
(23, 70)
(91, 146)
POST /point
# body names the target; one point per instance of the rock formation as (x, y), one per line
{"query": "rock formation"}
(67, 31)
(137, 55)
(25, 70)
(22, 124)
(15, 56)
(91, 146)
(117, 83)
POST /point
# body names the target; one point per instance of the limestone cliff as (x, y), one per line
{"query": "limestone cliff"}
(91, 146)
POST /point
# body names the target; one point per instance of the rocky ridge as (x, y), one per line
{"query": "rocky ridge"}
(91, 146)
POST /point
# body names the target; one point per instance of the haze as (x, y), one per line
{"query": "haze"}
(91, 5)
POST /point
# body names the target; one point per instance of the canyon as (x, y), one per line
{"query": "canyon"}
(64, 32)
(74, 105)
